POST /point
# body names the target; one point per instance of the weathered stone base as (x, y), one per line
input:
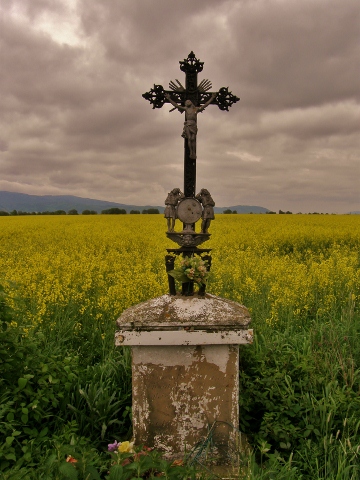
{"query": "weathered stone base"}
(185, 372)
(180, 391)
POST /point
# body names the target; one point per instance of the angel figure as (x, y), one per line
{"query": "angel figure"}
(171, 202)
(208, 204)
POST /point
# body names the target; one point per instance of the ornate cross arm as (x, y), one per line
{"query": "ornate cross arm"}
(225, 99)
(156, 96)
(198, 93)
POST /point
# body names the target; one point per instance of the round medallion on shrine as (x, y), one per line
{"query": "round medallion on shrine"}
(189, 210)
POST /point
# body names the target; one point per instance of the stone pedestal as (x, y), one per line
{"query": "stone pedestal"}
(185, 367)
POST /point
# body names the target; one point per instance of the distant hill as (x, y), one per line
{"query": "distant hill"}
(10, 201)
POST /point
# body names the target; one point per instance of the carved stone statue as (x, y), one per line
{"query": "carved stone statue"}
(190, 124)
(171, 202)
(208, 204)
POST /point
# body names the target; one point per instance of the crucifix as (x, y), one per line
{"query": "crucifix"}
(188, 207)
(191, 99)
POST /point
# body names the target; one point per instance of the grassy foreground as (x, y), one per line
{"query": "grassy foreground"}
(65, 390)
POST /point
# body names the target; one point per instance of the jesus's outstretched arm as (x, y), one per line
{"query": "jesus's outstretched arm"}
(179, 107)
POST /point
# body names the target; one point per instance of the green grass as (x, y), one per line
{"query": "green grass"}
(300, 399)
(69, 393)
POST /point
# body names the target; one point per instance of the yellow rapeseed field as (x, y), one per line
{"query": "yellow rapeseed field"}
(292, 267)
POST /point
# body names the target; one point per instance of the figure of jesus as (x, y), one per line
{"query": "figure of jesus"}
(190, 124)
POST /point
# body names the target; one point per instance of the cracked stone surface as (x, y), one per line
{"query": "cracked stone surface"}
(208, 312)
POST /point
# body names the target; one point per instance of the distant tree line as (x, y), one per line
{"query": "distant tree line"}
(122, 211)
(150, 211)
(73, 211)
(20, 212)
(114, 211)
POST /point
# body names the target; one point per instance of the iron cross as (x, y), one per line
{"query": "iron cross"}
(191, 99)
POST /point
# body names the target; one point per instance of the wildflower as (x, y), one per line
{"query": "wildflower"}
(71, 459)
(113, 446)
(126, 447)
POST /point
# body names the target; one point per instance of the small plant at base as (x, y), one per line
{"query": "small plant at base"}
(191, 269)
(129, 461)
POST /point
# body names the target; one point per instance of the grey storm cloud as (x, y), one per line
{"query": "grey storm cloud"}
(74, 121)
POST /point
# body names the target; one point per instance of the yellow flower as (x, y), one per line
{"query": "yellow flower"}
(283, 267)
(126, 447)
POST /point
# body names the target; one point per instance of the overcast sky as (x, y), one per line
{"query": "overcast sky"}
(73, 120)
